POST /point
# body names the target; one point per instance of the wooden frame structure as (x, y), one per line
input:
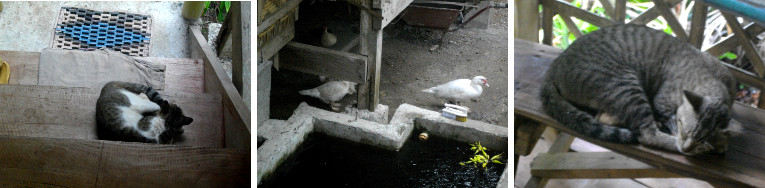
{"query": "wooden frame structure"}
(48, 133)
(363, 68)
(531, 63)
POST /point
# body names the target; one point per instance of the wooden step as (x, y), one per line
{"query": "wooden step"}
(70, 112)
(36, 162)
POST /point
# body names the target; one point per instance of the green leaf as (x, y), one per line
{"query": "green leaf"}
(496, 161)
(484, 164)
(228, 5)
(462, 163)
(729, 55)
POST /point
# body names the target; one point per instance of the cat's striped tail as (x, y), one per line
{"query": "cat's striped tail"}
(582, 122)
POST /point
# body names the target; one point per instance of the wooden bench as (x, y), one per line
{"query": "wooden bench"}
(743, 165)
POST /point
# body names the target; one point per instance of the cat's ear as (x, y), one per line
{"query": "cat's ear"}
(734, 128)
(187, 120)
(164, 107)
(696, 100)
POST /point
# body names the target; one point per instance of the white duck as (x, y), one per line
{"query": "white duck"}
(459, 90)
(328, 39)
(331, 92)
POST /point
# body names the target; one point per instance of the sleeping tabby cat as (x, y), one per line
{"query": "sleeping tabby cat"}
(136, 113)
(643, 81)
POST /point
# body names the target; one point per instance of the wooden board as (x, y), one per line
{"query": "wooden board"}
(323, 62)
(390, 9)
(70, 112)
(181, 74)
(44, 162)
(742, 166)
(236, 116)
(593, 165)
(24, 66)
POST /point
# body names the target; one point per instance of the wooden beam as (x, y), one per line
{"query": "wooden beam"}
(746, 43)
(324, 62)
(548, 13)
(698, 22)
(561, 145)
(283, 11)
(28, 161)
(236, 116)
(390, 10)
(371, 47)
(729, 42)
(69, 112)
(665, 12)
(593, 165)
(570, 25)
(240, 64)
(620, 10)
(527, 133)
(651, 14)
(568, 9)
(608, 7)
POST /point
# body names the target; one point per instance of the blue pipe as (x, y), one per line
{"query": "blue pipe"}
(751, 9)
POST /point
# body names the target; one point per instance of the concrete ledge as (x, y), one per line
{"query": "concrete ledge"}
(283, 137)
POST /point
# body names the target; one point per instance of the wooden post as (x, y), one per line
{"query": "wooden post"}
(698, 21)
(371, 46)
(547, 20)
(527, 20)
(560, 145)
(240, 24)
(620, 11)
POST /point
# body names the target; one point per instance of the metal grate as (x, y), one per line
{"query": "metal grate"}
(86, 29)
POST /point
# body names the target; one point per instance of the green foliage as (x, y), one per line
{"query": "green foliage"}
(729, 55)
(481, 159)
(222, 10)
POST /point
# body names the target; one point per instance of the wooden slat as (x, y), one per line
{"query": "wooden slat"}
(739, 167)
(323, 62)
(571, 25)
(651, 14)
(527, 20)
(43, 162)
(561, 145)
(283, 10)
(240, 31)
(746, 43)
(236, 116)
(69, 112)
(24, 66)
(391, 9)
(620, 9)
(609, 8)
(729, 42)
(568, 9)
(698, 22)
(593, 165)
(527, 134)
(677, 29)
(548, 11)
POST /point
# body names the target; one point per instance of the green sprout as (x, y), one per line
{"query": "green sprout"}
(481, 159)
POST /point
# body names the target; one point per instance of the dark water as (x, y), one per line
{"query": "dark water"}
(328, 161)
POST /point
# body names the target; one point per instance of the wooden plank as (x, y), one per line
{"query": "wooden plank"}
(570, 25)
(236, 116)
(527, 134)
(746, 43)
(324, 62)
(241, 60)
(24, 66)
(181, 74)
(69, 112)
(526, 20)
(593, 165)
(96, 163)
(390, 9)
(370, 46)
(561, 145)
(568, 9)
(651, 14)
(698, 22)
(677, 29)
(283, 11)
(609, 8)
(729, 42)
(739, 167)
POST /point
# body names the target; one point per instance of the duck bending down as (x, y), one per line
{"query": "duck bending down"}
(459, 90)
(331, 92)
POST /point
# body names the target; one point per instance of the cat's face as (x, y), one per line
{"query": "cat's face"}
(173, 115)
(704, 124)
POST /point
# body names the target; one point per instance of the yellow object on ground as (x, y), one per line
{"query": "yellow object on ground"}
(5, 72)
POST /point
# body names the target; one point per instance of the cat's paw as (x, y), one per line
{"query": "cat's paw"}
(143, 96)
(700, 149)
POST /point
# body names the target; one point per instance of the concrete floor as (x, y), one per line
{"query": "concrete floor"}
(28, 26)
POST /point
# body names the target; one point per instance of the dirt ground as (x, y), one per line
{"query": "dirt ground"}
(408, 66)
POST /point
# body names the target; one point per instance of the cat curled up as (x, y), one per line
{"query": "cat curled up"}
(137, 113)
(642, 81)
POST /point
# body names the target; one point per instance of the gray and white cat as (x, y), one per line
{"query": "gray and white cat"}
(643, 81)
(137, 113)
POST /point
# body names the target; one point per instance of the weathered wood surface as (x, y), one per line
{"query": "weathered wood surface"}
(562, 144)
(24, 66)
(698, 22)
(44, 162)
(181, 74)
(527, 20)
(390, 9)
(566, 8)
(652, 13)
(593, 165)
(324, 62)
(527, 134)
(236, 116)
(743, 165)
(664, 10)
(70, 112)
(730, 42)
